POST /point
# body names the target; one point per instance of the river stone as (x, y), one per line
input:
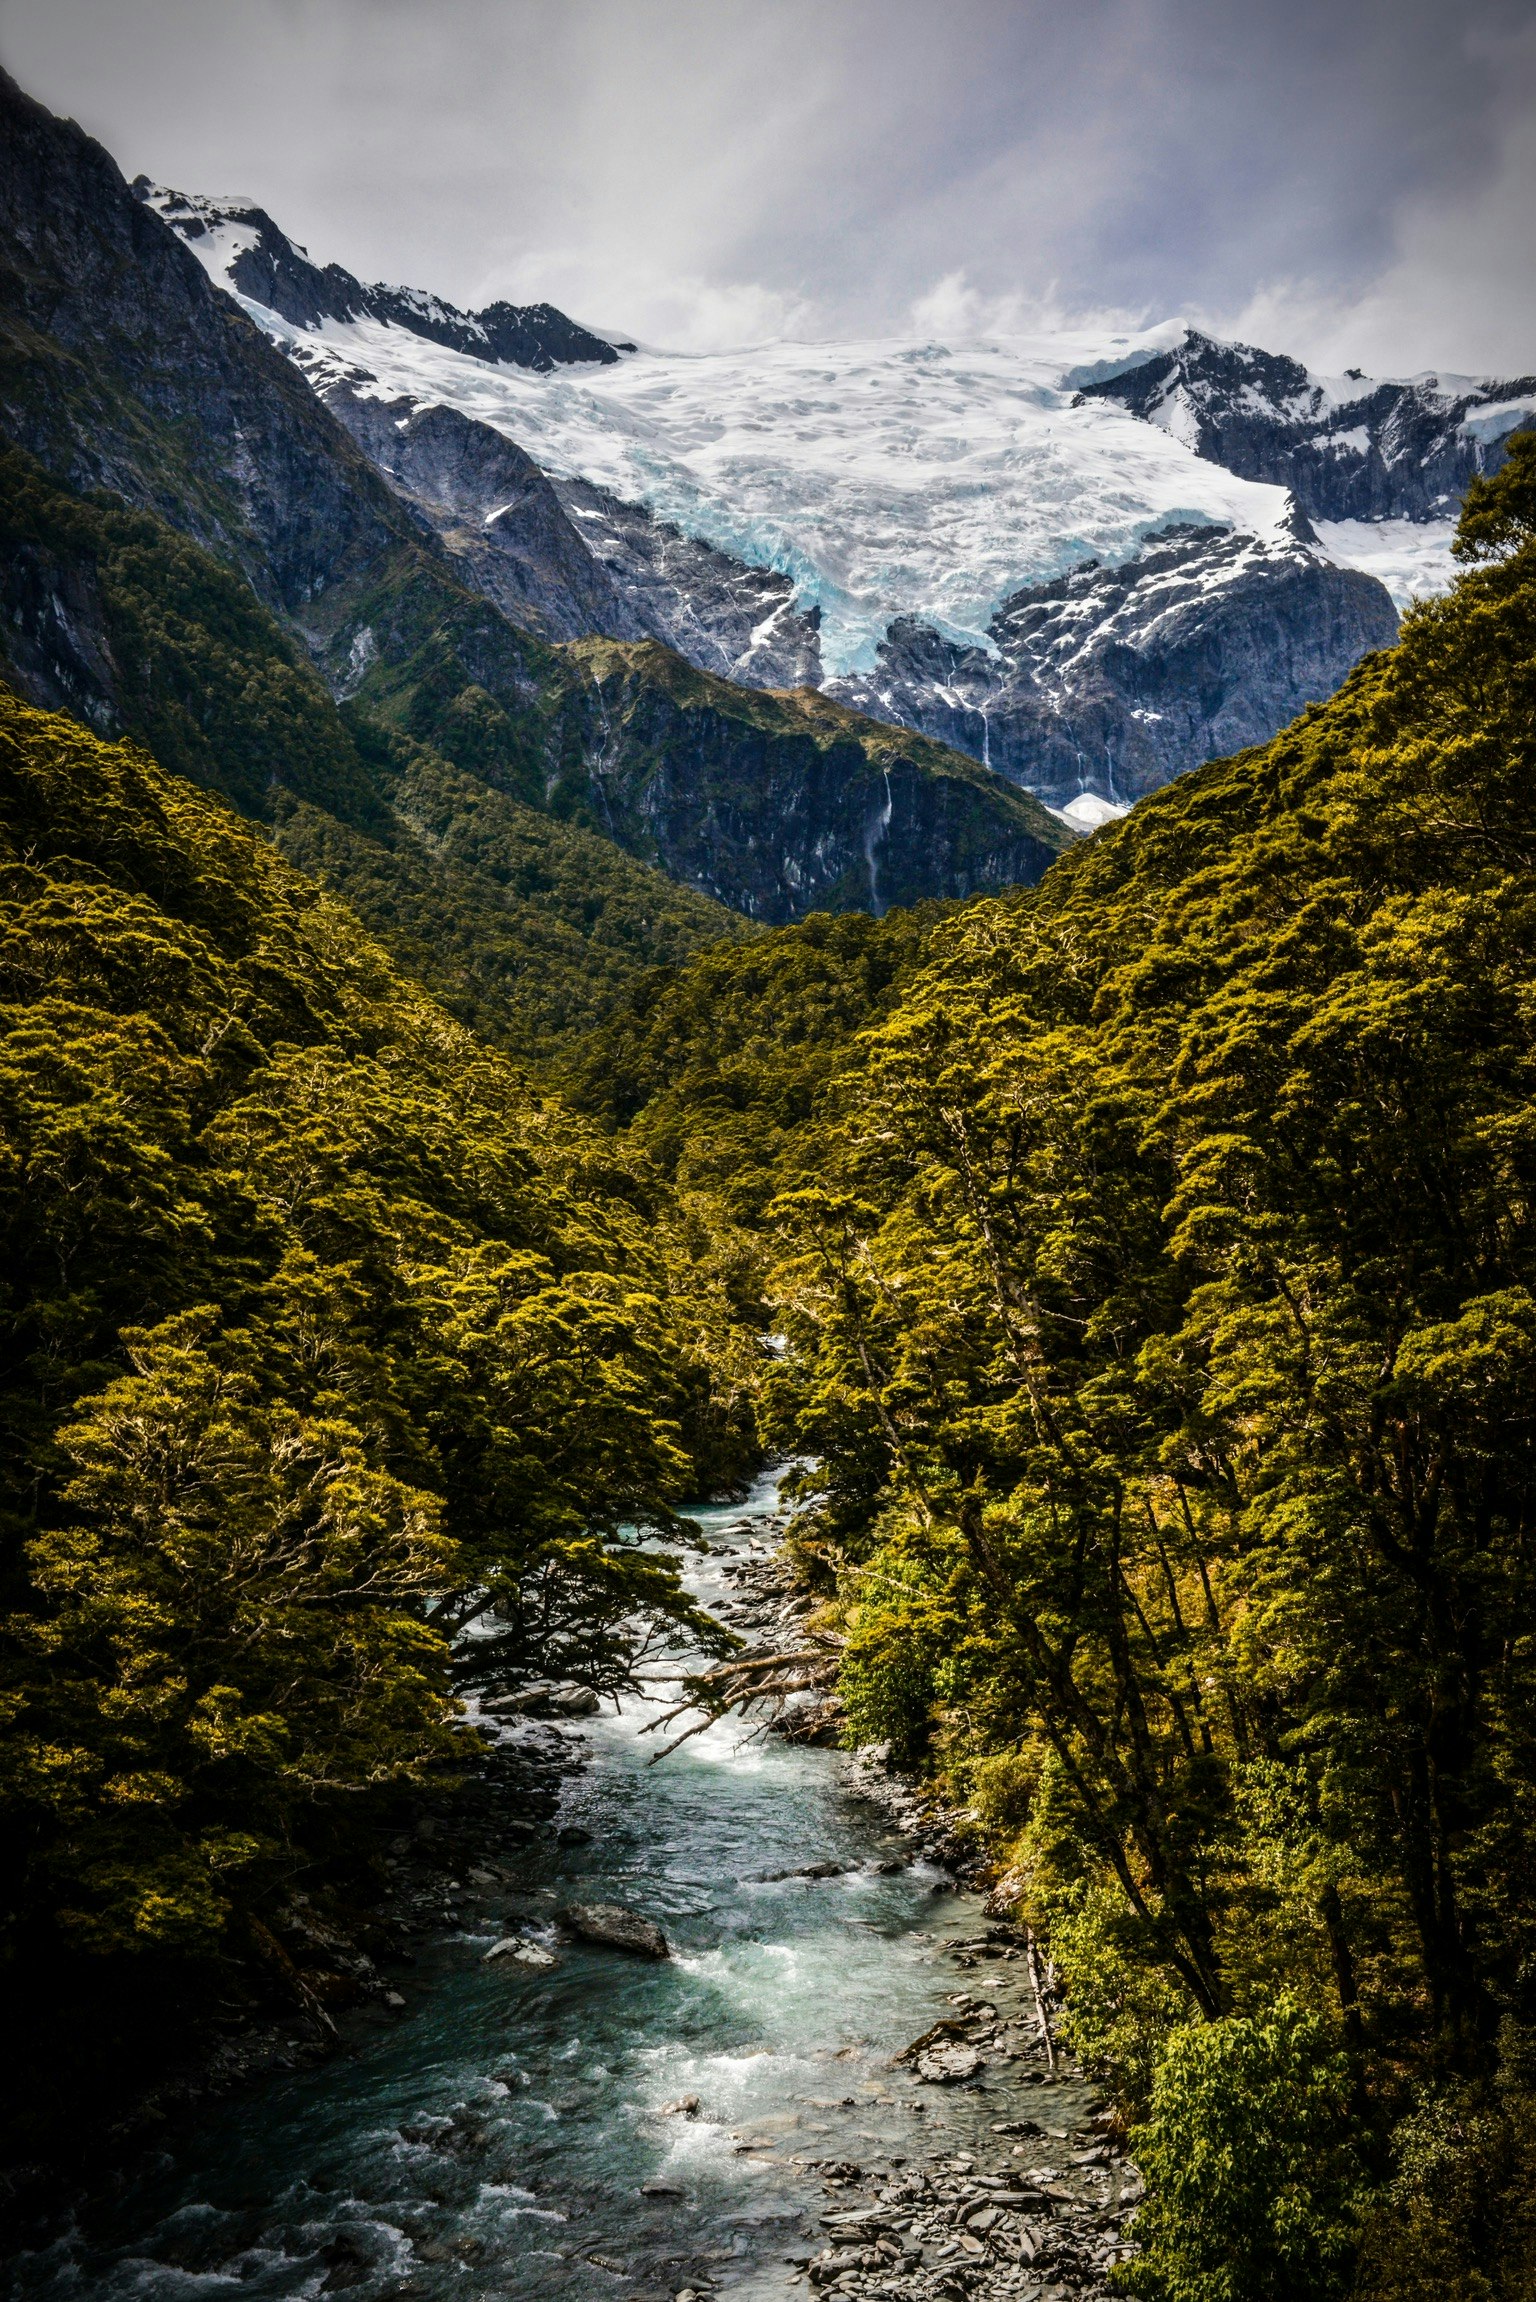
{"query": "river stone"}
(949, 2065)
(613, 1926)
(526, 1953)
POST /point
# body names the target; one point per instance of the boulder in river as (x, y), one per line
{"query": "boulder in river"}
(526, 1953)
(614, 1927)
(543, 1698)
(949, 2065)
(944, 2055)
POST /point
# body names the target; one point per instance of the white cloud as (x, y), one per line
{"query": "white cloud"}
(664, 311)
(953, 311)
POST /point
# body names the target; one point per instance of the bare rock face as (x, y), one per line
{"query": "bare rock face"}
(615, 1928)
(738, 621)
(564, 558)
(1115, 680)
(490, 504)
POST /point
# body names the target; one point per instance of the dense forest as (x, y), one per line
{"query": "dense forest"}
(1160, 1279)
(1154, 1254)
(330, 1340)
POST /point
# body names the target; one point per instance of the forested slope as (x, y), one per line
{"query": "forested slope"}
(327, 1337)
(1159, 1271)
(526, 928)
(721, 1072)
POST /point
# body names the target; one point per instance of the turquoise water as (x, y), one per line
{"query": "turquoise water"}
(495, 2138)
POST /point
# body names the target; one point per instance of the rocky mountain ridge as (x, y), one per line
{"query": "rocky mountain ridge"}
(261, 262)
(1110, 681)
(1148, 667)
(1397, 450)
(124, 368)
(569, 560)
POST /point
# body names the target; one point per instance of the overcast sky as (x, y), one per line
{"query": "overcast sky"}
(1353, 180)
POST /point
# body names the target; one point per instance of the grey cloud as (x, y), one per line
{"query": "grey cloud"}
(740, 164)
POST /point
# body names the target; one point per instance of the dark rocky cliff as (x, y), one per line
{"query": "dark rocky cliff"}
(672, 762)
(1114, 680)
(122, 368)
(493, 509)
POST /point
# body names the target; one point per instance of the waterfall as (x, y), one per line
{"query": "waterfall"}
(879, 825)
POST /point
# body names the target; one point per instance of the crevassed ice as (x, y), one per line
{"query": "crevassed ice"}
(886, 478)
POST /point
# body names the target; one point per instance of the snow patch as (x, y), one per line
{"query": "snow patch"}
(1089, 810)
(215, 230)
(1411, 557)
(1496, 421)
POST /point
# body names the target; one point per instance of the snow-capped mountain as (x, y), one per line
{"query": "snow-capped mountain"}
(1350, 449)
(1087, 561)
(267, 555)
(245, 252)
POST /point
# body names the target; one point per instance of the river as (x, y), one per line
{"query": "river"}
(504, 2135)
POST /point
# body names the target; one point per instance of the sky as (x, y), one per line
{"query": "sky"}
(1353, 181)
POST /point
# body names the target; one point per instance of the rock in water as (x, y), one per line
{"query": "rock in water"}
(949, 2065)
(618, 1929)
(526, 1953)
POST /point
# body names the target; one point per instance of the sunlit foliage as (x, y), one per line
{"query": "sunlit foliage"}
(328, 1339)
(1165, 1312)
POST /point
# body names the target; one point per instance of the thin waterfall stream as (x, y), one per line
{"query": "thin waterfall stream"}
(514, 2130)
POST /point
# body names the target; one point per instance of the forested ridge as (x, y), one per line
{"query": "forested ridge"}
(330, 1340)
(526, 928)
(1159, 1274)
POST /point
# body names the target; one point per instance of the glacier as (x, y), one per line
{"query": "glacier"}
(1090, 557)
(886, 479)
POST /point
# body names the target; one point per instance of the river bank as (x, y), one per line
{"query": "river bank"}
(607, 2126)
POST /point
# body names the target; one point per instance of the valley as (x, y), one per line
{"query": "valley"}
(767, 1162)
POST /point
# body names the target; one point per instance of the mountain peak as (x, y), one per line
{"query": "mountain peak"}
(244, 251)
(1351, 447)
